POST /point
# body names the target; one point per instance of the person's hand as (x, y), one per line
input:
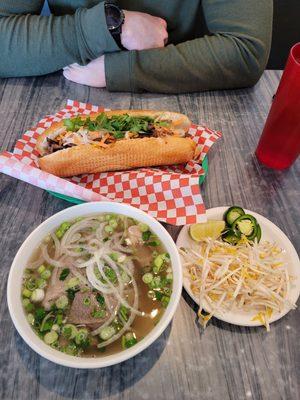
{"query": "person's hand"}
(143, 31)
(92, 74)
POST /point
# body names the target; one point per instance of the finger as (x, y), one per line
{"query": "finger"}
(164, 22)
(71, 76)
(66, 74)
(159, 45)
(166, 38)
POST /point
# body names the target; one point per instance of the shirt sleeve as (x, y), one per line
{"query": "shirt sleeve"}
(233, 55)
(36, 45)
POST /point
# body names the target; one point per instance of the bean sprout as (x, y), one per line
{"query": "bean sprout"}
(248, 277)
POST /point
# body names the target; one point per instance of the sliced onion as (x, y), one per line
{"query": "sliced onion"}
(48, 259)
(56, 245)
(95, 282)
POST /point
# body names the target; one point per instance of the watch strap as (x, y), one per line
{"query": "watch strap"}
(115, 31)
(117, 37)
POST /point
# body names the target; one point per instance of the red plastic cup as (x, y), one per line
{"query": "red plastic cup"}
(279, 145)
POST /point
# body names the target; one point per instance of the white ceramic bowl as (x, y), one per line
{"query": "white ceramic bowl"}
(32, 242)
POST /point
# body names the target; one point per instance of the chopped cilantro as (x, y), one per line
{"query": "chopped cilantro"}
(64, 273)
(100, 299)
(154, 243)
(71, 292)
(39, 315)
(158, 295)
(146, 236)
(116, 124)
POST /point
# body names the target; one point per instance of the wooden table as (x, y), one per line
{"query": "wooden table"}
(224, 361)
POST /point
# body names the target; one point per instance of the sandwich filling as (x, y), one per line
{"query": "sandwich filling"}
(105, 130)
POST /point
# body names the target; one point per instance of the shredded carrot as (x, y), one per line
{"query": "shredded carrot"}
(102, 141)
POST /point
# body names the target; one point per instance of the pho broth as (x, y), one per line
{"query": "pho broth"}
(97, 285)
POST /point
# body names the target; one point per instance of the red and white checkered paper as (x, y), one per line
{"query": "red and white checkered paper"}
(170, 194)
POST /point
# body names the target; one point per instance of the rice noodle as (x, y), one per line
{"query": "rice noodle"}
(99, 232)
(130, 265)
(36, 264)
(122, 249)
(75, 238)
(54, 276)
(93, 245)
(75, 254)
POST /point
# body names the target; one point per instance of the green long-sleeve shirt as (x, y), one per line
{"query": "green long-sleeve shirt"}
(213, 44)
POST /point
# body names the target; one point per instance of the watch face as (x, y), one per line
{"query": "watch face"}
(114, 16)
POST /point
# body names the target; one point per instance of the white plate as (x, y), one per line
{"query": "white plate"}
(269, 232)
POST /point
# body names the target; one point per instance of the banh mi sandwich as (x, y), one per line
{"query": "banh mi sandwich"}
(115, 140)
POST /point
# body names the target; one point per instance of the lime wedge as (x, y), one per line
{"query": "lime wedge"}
(212, 229)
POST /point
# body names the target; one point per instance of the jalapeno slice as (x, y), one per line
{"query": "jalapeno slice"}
(246, 225)
(258, 233)
(232, 214)
(231, 237)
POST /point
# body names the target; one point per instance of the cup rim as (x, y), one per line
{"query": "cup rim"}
(25, 251)
(295, 48)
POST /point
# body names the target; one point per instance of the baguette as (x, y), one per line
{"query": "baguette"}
(171, 146)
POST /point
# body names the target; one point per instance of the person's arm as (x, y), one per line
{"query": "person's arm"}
(233, 56)
(37, 45)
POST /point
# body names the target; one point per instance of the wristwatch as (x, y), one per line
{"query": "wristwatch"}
(115, 18)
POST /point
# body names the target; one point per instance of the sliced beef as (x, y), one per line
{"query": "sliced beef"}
(55, 289)
(143, 256)
(135, 235)
(161, 131)
(54, 145)
(82, 314)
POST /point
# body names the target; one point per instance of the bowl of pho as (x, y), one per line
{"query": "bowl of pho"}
(94, 285)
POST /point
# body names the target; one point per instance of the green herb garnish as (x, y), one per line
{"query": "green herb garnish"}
(110, 274)
(146, 236)
(87, 301)
(117, 125)
(62, 229)
(158, 295)
(98, 314)
(39, 315)
(64, 273)
(71, 293)
(100, 299)
(128, 340)
(123, 311)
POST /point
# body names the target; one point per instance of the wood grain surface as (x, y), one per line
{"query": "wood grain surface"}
(223, 362)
